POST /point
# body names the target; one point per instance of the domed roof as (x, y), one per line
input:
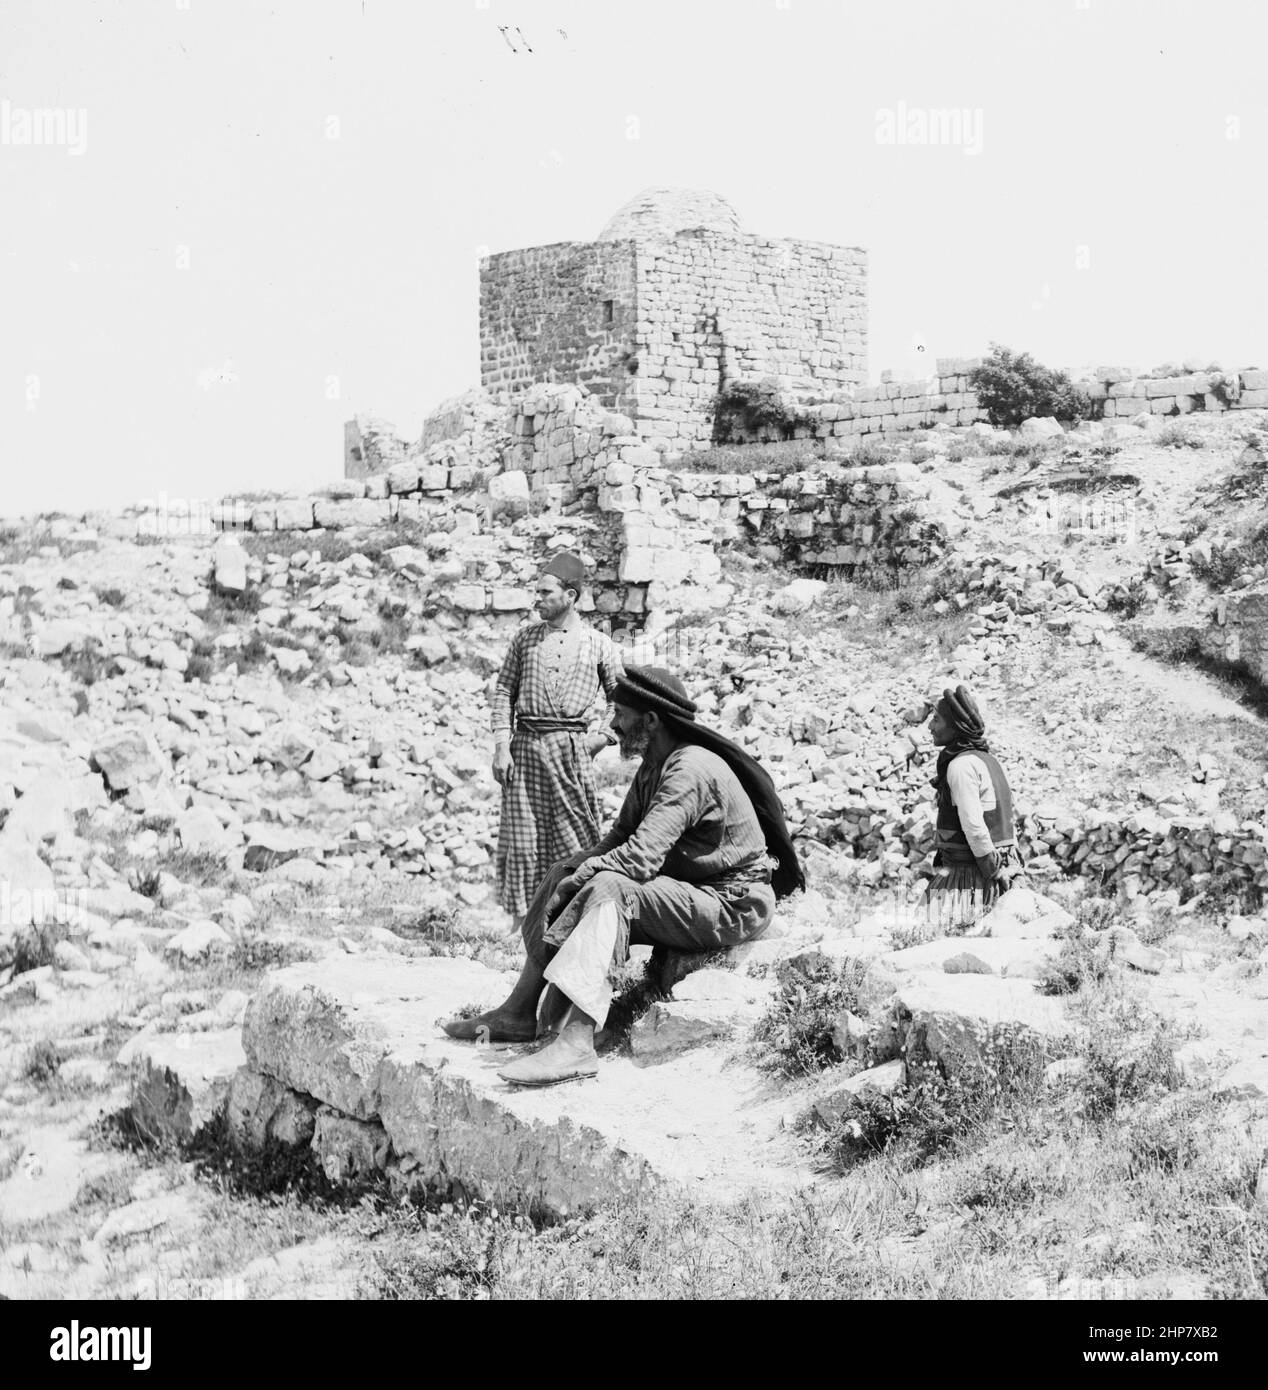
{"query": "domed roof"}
(664, 212)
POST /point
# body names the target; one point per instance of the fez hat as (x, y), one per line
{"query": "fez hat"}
(568, 568)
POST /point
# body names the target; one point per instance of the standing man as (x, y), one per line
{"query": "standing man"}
(544, 736)
(976, 841)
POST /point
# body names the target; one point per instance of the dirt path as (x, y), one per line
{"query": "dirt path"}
(1189, 689)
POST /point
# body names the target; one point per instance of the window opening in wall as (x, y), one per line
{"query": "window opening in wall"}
(609, 310)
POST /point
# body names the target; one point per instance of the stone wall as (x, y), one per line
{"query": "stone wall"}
(715, 311)
(945, 399)
(561, 313)
(474, 415)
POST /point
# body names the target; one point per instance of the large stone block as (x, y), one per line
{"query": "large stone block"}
(640, 565)
(838, 1098)
(294, 514)
(229, 565)
(350, 1151)
(511, 600)
(259, 1108)
(403, 477)
(362, 512)
(952, 1021)
(359, 1034)
(433, 477)
(471, 598)
(509, 493)
(180, 1080)
(128, 758)
(347, 489)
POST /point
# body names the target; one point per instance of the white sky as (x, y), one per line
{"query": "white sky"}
(178, 296)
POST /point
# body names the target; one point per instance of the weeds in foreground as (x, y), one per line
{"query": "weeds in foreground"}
(1174, 436)
(1127, 1050)
(788, 456)
(1081, 962)
(42, 1063)
(448, 1255)
(255, 954)
(201, 867)
(430, 923)
(33, 948)
(797, 1034)
(936, 1113)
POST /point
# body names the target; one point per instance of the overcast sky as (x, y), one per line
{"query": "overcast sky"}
(242, 223)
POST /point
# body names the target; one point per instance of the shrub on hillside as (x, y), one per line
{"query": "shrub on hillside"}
(1178, 437)
(1227, 562)
(1013, 387)
(755, 407)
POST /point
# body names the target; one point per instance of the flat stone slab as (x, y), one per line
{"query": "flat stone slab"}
(360, 1034)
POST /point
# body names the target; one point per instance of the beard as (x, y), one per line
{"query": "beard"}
(634, 745)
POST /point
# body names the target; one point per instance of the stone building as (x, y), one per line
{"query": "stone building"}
(671, 305)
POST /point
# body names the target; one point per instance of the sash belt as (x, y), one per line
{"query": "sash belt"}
(533, 724)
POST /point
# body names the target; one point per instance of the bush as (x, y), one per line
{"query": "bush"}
(1013, 387)
(866, 455)
(1178, 437)
(754, 407)
(1128, 599)
(42, 1063)
(796, 1032)
(1227, 562)
(228, 604)
(33, 948)
(1078, 963)
(1128, 1055)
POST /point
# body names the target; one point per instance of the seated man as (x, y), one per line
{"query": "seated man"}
(686, 866)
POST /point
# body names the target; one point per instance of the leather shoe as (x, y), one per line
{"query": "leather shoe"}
(558, 1062)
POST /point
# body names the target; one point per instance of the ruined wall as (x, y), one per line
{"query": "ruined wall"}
(560, 313)
(945, 399)
(370, 446)
(716, 310)
(876, 517)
